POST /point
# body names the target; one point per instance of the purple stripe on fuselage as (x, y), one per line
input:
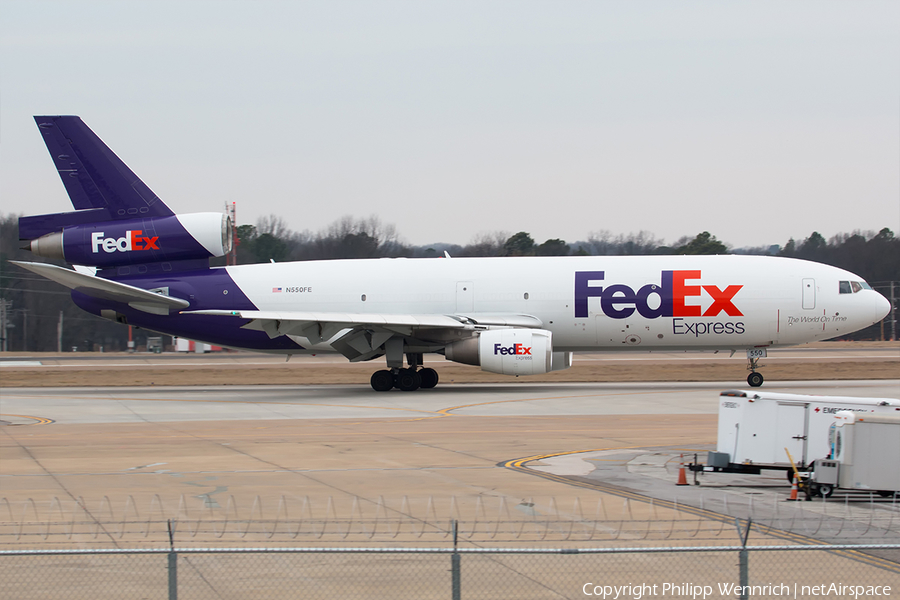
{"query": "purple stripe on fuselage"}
(205, 290)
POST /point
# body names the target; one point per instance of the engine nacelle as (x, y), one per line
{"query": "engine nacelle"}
(136, 241)
(510, 352)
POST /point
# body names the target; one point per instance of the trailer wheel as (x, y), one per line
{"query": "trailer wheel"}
(825, 490)
(887, 493)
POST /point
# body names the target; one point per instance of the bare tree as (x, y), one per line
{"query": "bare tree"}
(274, 226)
(486, 244)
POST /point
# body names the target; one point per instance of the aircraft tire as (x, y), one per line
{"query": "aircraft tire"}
(429, 378)
(755, 379)
(382, 381)
(408, 380)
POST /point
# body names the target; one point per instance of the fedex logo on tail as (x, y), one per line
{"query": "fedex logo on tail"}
(675, 296)
(132, 240)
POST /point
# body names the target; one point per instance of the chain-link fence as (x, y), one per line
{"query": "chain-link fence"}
(858, 518)
(396, 573)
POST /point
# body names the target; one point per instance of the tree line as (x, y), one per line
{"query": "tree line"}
(34, 306)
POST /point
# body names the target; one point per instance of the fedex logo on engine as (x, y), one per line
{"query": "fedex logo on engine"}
(515, 349)
(132, 240)
(675, 296)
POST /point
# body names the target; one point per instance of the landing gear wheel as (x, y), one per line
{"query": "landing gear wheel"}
(382, 381)
(429, 378)
(408, 380)
(755, 379)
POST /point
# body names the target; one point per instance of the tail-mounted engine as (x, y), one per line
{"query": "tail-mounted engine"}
(135, 241)
(510, 352)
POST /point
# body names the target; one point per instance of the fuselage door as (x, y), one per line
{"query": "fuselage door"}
(465, 296)
(809, 293)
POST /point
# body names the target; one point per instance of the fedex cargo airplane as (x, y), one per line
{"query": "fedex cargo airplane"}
(139, 263)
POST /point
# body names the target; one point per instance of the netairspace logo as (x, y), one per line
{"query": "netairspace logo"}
(132, 240)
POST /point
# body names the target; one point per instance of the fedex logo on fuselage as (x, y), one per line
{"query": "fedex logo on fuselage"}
(674, 295)
(132, 240)
(515, 349)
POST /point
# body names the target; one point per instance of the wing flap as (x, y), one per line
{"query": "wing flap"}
(504, 320)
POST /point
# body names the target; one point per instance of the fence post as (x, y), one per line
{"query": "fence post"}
(173, 565)
(454, 565)
(743, 558)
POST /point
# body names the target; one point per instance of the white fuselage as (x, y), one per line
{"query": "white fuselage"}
(637, 303)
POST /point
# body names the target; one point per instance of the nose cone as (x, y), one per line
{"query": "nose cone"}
(881, 307)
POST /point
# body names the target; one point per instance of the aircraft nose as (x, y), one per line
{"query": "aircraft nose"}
(881, 307)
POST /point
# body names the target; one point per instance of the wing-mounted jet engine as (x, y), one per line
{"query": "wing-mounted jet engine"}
(510, 352)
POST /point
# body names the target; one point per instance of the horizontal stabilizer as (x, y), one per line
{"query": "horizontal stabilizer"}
(104, 289)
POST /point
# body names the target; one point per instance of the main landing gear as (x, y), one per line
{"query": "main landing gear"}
(408, 379)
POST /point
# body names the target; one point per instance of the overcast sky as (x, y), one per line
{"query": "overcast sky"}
(756, 121)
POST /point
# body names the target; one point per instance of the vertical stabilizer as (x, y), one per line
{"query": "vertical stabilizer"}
(93, 175)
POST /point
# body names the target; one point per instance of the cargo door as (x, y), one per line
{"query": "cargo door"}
(791, 433)
(809, 293)
(465, 296)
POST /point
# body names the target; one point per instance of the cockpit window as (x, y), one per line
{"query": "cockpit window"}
(851, 287)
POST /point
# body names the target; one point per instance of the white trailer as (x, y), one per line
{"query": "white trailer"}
(755, 427)
(866, 456)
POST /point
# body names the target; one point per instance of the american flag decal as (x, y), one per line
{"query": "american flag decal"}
(276, 290)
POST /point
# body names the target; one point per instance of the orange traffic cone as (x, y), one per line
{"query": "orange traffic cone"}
(794, 490)
(682, 476)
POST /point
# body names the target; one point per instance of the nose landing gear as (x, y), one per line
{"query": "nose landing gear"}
(755, 379)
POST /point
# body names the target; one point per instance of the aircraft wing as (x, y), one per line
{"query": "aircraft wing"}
(359, 336)
(105, 289)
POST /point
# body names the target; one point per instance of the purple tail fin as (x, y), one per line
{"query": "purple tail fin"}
(96, 180)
